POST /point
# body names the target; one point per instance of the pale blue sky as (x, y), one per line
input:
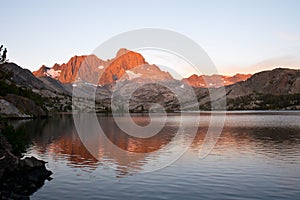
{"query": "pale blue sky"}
(239, 36)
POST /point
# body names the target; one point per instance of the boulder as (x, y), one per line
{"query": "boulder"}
(20, 178)
(31, 162)
(8, 161)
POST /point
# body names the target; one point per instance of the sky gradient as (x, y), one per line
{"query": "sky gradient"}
(239, 36)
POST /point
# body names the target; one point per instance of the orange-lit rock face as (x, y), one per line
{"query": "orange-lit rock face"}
(70, 69)
(125, 65)
(214, 81)
(41, 72)
(118, 66)
(86, 65)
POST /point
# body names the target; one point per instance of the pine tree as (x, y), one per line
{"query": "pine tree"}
(3, 55)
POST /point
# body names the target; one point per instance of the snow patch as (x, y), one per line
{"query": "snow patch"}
(131, 75)
(53, 73)
(90, 84)
(101, 67)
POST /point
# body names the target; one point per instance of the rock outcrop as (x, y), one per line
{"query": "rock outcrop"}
(8, 110)
(26, 105)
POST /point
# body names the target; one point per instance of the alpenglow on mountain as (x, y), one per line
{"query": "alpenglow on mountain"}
(127, 65)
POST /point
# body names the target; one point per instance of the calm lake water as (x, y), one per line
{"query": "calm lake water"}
(257, 156)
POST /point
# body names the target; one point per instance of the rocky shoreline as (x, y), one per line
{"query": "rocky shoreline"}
(20, 177)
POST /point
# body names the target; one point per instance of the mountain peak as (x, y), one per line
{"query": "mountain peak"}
(121, 52)
(41, 72)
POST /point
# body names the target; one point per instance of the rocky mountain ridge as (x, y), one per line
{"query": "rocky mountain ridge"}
(214, 81)
(127, 65)
(274, 89)
(129, 76)
(24, 96)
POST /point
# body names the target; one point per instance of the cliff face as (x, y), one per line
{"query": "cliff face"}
(126, 65)
(125, 60)
(214, 81)
(86, 64)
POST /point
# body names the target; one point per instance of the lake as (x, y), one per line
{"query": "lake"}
(257, 156)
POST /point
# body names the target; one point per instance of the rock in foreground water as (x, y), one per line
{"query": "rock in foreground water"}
(20, 178)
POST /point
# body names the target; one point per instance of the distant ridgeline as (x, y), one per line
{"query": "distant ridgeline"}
(275, 89)
(47, 90)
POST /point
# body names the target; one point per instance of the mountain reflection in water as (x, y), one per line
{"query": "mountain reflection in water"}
(57, 137)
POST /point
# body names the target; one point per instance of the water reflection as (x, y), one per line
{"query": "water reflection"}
(270, 142)
(133, 144)
(57, 138)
